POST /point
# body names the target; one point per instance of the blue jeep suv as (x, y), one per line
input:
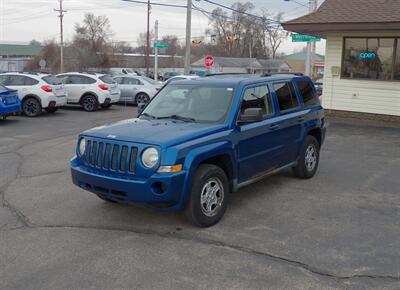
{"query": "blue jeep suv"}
(199, 140)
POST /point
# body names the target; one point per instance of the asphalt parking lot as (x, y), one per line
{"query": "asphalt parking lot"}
(340, 229)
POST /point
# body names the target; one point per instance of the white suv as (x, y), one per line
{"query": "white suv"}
(36, 91)
(90, 90)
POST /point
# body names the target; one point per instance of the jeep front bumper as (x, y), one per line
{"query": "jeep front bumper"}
(160, 190)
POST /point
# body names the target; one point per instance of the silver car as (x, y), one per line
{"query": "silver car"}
(137, 89)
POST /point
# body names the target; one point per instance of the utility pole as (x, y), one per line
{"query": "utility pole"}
(156, 51)
(148, 39)
(61, 16)
(311, 47)
(188, 36)
(314, 44)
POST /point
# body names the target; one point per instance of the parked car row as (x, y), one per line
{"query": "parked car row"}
(37, 91)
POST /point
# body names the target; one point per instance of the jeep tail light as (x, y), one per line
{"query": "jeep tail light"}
(47, 89)
(103, 87)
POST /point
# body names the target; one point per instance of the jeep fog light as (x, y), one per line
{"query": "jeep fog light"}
(169, 169)
(150, 157)
(82, 146)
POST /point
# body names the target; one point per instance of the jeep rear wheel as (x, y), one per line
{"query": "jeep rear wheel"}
(31, 107)
(307, 164)
(89, 103)
(208, 196)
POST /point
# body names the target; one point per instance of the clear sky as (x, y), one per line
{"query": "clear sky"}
(23, 20)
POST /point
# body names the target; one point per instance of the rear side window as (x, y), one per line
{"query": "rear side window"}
(307, 93)
(79, 80)
(20, 81)
(286, 96)
(132, 81)
(51, 80)
(107, 79)
(118, 80)
(257, 97)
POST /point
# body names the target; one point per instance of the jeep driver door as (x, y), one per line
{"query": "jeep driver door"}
(258, 146)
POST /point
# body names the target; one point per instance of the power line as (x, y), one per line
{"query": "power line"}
(241, 12)
(157, 4)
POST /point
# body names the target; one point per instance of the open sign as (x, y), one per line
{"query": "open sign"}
(367, 55)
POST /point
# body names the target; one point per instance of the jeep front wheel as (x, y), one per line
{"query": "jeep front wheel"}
(308, 161)
(208, 196)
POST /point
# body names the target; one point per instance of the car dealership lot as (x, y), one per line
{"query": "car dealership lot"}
(339, 229)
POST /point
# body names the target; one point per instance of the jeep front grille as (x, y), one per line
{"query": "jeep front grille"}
(110, 157)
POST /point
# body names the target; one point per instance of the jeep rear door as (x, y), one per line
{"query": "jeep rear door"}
(259, 147)
(290, 120)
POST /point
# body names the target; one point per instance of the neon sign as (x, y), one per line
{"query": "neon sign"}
(367, 55)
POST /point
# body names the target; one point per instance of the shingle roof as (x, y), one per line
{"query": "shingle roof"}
(232, 62)
(342, 15)
(353, 11)
(302, 56)
(20, 49)
(272, 63)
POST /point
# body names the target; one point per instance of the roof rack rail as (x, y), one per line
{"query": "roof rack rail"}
(282, 73)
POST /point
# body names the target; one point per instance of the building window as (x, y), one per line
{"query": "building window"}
(370, 58)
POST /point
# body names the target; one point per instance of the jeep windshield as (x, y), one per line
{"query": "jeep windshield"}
(191, 103)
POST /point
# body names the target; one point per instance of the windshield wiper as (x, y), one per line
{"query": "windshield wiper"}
(177, 117)
(148, 115)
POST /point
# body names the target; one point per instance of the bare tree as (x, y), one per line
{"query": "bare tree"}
(92, 41)
(275, 34)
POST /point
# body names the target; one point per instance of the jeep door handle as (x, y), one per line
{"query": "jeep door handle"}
(274, 126)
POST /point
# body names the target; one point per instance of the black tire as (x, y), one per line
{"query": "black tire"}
(196, 209)
(31, 107)
(106, 106)
(308, 161)
(142, 98)
(51, 110)
(107, 200)
(89, 103)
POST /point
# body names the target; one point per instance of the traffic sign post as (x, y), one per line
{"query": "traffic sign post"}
(208, 61)
(304, 38)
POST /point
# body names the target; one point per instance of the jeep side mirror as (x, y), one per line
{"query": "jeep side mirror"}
(251, 115)
(140, 108)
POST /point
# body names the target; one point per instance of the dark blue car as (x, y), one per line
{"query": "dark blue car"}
(198, 140)
(9, 102)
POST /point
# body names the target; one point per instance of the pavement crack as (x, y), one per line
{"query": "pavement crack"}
(178, 236)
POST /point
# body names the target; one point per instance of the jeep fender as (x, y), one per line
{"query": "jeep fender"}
(199, 154)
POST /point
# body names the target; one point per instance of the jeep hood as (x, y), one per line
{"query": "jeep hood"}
(157, 132)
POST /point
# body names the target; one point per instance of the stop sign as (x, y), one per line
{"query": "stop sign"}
(209, 61)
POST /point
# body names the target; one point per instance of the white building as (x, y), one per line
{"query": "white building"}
(362, 63)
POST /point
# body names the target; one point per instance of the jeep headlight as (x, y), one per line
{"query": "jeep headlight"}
(150, 157)
(82, 146)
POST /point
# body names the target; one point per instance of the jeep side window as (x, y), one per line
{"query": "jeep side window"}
(257, 97)
(286, 96)
(307, 92)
